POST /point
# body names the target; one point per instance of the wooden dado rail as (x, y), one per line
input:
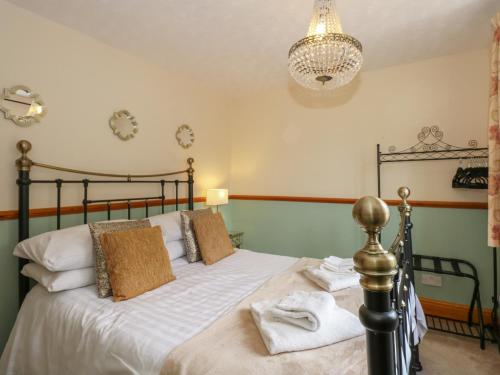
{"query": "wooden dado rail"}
(390, 202)
(68, 210)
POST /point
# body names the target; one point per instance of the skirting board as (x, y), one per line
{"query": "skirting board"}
(451, 310)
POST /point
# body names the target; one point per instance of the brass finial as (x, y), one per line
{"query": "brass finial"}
(371, 213)
(376, 265)
(404, 192)
(24, 163)
(190, 169)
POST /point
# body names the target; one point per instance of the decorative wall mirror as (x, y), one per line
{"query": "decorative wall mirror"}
(185, 136)
(22, 106)
(123, 125)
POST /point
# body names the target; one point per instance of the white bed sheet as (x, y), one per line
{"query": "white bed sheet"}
(74, 332)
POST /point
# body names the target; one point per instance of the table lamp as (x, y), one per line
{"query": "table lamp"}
(216, 197)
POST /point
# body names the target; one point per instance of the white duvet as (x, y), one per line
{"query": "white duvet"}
(74, 332)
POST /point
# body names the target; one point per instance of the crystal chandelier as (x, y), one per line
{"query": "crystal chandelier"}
(326, 58)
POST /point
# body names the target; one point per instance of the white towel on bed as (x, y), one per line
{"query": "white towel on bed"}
(336, 264)
(332, 281)
(282, 337)
(304, 309)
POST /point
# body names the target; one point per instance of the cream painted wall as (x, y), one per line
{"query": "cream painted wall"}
(286, 142)
(83, 82)
(290, 142)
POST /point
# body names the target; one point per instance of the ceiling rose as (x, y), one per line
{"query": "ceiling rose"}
(326, 58)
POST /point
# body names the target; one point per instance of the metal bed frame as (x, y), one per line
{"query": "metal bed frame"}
(24, 165)
(388, 281)
(385, 312)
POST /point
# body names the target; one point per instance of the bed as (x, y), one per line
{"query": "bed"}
(199, 323)
(133, 336)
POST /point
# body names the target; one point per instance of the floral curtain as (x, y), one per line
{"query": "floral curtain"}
(494, 139)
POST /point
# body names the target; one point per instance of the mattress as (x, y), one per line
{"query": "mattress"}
(76, 332)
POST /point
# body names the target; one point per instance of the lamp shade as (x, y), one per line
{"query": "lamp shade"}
(216, 197)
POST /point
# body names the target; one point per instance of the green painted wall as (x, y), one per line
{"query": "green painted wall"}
(318, 230)
(8, 279)
(301, 229)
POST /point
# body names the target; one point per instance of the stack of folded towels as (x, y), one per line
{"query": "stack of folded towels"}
(303, 320)
(334, 274)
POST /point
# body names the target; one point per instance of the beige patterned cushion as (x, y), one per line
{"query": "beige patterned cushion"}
(212, 237)
(96, 229)
(192, 250)
(137, 261)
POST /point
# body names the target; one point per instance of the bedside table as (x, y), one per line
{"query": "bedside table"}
(236, 238)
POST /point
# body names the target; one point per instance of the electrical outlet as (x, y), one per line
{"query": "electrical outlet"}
(431, 280)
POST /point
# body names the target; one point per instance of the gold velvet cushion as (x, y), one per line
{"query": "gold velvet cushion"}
(212, 237)
(96, 229)
(190, 243)
(137, 261)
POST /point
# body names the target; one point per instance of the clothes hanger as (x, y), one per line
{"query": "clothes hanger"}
(475, 176)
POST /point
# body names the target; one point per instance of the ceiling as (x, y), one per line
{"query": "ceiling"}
(242, 45)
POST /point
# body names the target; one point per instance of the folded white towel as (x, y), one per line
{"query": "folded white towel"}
(347, 271)
(336, 264)
(332, 281)
(282, 337)
(304, 309)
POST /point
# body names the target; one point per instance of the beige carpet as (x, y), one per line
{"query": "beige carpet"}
(443, 354)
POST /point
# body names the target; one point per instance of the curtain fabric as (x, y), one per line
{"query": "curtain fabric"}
(494, 139)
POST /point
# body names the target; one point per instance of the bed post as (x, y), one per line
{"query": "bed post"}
(377, 268)
(405, 211)
(190, 172)
(23, 165)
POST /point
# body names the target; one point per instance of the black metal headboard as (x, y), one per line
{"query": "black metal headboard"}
(24, 165)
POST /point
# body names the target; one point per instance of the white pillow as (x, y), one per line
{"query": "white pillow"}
(175, 249)
(71, 248)
(58, 281)
(60, 250)
(170, 225)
